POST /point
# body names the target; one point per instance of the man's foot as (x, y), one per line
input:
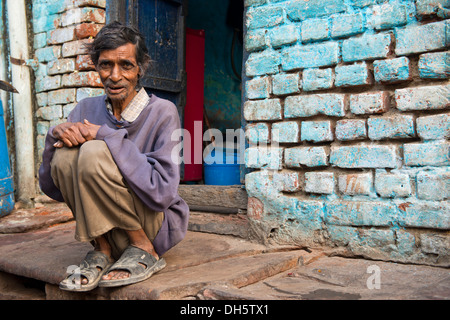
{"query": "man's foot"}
(138, 239)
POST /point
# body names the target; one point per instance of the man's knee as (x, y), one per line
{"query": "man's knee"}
(94, 159)
(64, 159)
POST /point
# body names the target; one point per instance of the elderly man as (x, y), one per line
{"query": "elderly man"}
(111, 163)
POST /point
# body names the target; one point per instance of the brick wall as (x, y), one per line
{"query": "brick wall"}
(63, 72)
(347, 105)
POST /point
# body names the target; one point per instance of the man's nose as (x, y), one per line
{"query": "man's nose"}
(116, 74)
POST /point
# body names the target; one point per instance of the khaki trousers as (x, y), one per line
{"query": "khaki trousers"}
(100, 200)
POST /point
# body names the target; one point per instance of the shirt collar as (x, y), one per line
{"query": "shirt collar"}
(134, 108)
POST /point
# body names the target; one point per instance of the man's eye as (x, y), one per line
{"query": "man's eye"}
(105, 65)
(128, 66)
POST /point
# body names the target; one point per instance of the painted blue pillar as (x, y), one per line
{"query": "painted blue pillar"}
(6, 180)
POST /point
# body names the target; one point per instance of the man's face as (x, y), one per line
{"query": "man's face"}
(119, 71)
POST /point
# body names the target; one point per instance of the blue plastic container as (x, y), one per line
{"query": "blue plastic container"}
(221, 167)
(6, 180)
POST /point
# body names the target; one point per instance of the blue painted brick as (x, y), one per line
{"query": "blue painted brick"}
(364, 156)
(345, 25)
(264, 17)
(40, 40)
(258, 88)
(391, 70)
(351, 129)
(255, 40)
(319, 182)
(434, 65)
(434, 127)
(305, 156)
(352, 75)
(394, 127)
(260, 63)
(254, 3)
(298, 10)
(366, 47)
(330, 104)
(423, 98)
(310, 56)
(283, 35)
(362, 3)
(392, 184)
(268, 109)
(285, 83)
(285, 132)
(422, 38)
(433, 185)
(316, 131)
(387, 15)
(314, 30)
(45, 23)
(257, 133)
(426, 214)
(360, 213)
(317, 79)
(427, 154)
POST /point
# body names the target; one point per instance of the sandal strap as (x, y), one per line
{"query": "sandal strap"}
(134, 260)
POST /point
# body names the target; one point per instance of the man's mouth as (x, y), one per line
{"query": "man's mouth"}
(115, 90)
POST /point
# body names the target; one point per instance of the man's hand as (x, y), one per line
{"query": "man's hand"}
(74, 134)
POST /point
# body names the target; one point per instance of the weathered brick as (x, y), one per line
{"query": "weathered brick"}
(258, 88)
(73, 48)
(314, 30)
(310, 56)
(285, 132)
(255, 40)
(434, 153)
(258, 133)
(317, 131)
(314, 104)
(369, 103)
(433, 185)
(352, 75)
(40, 40)
(85, 14)
(49, 113)
(351, 129)
(364, 156)
(362, 3)
(299, 10)
(83, 93)
(360, 213)
(68, 108)
(286, 181)
(46, 23)
(306, 156)
(392, 184)
(42, 99)
(42, 127)
(285, 83)
(437, 244)
(261, 63)
(427, 8)
(61, 35)
(423, 98)
(86, 3)
(263, 17)
(392, 127)
(86, 30)
(426, 214)
(283, 35)
(84, 63)
(366, 47)
(387, 15)
(345, 25)
(434, 65)
(61, 96)
(434, 127)
(81, 79)
(319, 182)
(317, 79)
(264, 158)
(254, 3)
(355, 183)
(48, 53)
(47, 83)
(269, 109)
(392, 70)
(61, 66)
(421, 38)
